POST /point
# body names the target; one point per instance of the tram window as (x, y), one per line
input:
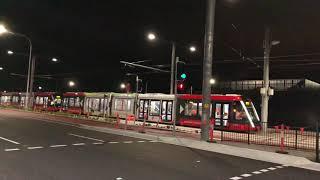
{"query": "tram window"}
(77, 102)
(169, 108)
(128, 102)
(40, 100)
(119, 105)
(164, 107)
(239, 111)
(218, 111)
(71, 102)
(95, 104)
(141, 106)
(226, 111)
(155, 108)
(200, 109)
(190, 109)
(102, 105)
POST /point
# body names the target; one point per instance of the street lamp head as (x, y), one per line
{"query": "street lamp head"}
(1, 68)
(54, 60)
(3, 29)
(274, 43)
(122, 86)
(9, 52)
(40, 88)
(193, 49)
(152, 36)
(212, 81)
(71, 83)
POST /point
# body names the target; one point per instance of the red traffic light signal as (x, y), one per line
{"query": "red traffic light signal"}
(181, 86)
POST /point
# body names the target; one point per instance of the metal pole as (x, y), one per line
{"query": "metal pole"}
(29, 71)
(137, 83)
(265, 95)
(33, 67)
(207, 69)
(146, 91)
(175, 75)
(173, 58)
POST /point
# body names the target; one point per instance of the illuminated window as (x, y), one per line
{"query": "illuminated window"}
(190, 109)
(155, 108)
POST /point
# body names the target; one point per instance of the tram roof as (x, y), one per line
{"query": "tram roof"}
(217, 97)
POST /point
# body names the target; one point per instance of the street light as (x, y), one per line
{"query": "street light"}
(9, 52)
(54, 60)
(1, 68)
(3, 30)
(71, 83)
(151, 36)
(212, 81)
(193, 49)
(40, 88)
(122, 86)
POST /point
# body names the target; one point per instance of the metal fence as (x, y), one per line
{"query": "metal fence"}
(299, 138)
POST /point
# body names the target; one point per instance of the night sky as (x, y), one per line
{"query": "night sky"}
(90, 38)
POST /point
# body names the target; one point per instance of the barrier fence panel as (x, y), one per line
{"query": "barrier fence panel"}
(293, 137)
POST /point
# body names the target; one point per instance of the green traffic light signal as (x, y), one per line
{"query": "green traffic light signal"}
(183, 76)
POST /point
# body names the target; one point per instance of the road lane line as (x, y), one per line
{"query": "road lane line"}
(264, 170)
(256, 172)
(235, 178)
(153, 141)
(272, 168)
(141, 141)
(97, 143)
(14, 142)
(79, 144)
(113, 142)
(36, 147)
(15, 149)
(246, 175)
(279, 167)
(85, 137)
(127, 142)
(59, 145)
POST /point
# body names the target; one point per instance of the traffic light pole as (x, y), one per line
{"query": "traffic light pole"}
(207, 70)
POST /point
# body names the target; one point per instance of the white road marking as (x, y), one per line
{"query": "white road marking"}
(279, 167)
(15, 149)
(127, 142)
(235, 178)
(198, 161)
(113, 142)
(153, 141)
(264, 170)
(85, 137)
(97, 143)
(246, 175)
(272, 168)
(79, 144)
(119, 178)
(285, 165)
(141, 141)
(14, 142)
(59, 145)
(256, 172)
(36, 147)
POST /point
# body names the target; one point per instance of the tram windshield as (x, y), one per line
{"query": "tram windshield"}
(246, 111)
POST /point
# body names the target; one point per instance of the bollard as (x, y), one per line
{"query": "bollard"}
(282, 151)
(211, 131)
(126, 123)
(142, 129)
(157, 126)
(118, 121)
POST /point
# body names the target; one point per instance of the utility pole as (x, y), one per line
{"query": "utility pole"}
(137, 83)
(207, 69)
(265, 90)
(33, 67)
(173, 58)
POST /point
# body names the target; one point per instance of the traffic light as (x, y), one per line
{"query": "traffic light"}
(183, 76)
(180, 86)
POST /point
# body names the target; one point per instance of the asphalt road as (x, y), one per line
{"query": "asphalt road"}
(37, 150)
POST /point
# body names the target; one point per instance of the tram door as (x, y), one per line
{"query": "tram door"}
(221, 114)
(166, 111)
(143, 108)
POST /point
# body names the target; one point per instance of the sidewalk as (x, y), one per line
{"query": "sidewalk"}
(190, 140)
